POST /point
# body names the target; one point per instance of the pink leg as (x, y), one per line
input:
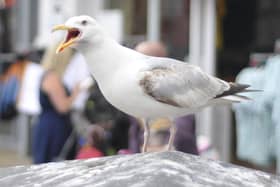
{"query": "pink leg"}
(146, 134)
(172, 135)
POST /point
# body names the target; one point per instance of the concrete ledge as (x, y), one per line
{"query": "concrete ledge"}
(170, 169)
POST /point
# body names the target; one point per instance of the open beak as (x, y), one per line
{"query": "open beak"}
(72, 36)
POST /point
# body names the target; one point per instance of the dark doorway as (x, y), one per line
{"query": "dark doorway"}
(238, 37)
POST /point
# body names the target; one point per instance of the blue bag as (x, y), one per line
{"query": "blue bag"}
(8, 98)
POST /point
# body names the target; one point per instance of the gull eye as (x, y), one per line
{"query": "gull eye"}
(84, 22)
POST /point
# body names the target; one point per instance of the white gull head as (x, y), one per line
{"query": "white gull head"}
(81, 31)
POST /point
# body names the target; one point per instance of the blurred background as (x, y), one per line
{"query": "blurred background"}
(232, 39)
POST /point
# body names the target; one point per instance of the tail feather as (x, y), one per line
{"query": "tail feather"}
(236, 88)
(236, 98)
(229, 99)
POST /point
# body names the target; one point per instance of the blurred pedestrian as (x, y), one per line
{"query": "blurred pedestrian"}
(77, 72)
(54, 126)
(157, 49)
(185, 139)
(94, 146)
(10, 87)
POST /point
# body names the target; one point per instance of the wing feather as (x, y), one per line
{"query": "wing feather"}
(179, 84)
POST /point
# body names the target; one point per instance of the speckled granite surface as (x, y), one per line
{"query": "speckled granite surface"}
(163, 169)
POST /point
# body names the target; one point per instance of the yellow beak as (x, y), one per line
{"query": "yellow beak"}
(65, 44)
(60, 27)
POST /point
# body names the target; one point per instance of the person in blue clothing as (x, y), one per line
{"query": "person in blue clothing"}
(53, 126)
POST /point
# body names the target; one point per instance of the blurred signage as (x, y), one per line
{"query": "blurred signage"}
(7, 3)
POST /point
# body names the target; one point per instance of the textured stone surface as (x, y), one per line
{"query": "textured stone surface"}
(170, 169)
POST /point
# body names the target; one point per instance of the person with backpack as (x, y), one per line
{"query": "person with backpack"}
(10, 86)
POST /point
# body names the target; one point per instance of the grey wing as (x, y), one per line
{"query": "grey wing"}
(180, 84)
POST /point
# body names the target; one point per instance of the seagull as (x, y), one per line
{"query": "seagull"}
(143, 86)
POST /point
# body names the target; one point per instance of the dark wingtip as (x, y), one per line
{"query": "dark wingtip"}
(236, 88)
(250, 90)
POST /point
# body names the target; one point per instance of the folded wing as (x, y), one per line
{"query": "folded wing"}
(180, 84)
